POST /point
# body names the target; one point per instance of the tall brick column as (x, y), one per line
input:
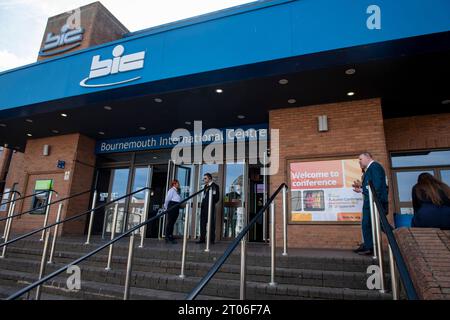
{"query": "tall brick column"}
(78, 153)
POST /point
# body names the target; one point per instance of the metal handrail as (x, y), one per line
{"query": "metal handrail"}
(394, 248)
(109, 243)
(204, 281)
(10, 191)
(71, 218)
(28, 196)
(44, 206)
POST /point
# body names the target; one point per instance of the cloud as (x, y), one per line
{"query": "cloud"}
(9, 60)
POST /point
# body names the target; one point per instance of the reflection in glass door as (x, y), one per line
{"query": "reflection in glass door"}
(118, 188)
(234, 215)
(141, 179)
(445, 176)
(405, 182)
(183, 174)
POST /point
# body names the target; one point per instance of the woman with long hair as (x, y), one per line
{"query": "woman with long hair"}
(172, 201)
(431, 203)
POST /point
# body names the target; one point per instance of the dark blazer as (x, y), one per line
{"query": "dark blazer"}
(429, 215)
(376, 174)
(216, 196)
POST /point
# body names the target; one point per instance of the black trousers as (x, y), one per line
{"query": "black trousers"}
(204, 222)
(171, 218)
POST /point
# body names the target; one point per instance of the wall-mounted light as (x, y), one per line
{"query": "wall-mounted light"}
(323, 123)
(46, 150)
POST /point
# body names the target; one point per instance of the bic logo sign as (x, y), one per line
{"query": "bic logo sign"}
(70, 37)
(120, 63)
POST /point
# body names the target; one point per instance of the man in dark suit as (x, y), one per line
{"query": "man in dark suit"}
(373, 171)
(214, 188)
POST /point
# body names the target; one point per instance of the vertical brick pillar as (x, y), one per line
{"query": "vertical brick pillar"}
(78, 153)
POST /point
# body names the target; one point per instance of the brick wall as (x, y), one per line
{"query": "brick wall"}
(427, 255)
(419, 132)
(354, 127)
(78, 153)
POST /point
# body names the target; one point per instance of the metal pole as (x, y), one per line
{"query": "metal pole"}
(272, 242)
(8, 214)
(55, 235)
(44, 257)
(380, 248)
(284, 221)
(243, 287)
(183, 253)
(145, 216)
(208, 226)
(126, 294)
(8, 224)
(47, 211)
(265, 199)
(91, 218)
(373, 224)
(113, 234)
(393, 275)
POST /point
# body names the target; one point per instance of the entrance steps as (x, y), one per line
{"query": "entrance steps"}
(303, 274)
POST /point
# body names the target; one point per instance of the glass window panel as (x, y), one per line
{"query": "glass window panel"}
(445, 176)
(136, 209)
(420, 159)
(118, 189)
(233, 200)
(405, 182)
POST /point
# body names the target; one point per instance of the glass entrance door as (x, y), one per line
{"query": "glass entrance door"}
(234, 207)
(118, 187)
(185, 175)
(141, 179)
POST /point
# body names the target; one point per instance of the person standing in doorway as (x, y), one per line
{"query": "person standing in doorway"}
(214, 188)
(172, 202)
(373, 171)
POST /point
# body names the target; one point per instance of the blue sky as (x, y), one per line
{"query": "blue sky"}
(22, 22)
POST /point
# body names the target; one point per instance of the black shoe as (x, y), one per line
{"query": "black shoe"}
(200, 241)
(170, 240)
(366, 252)
(361, 248)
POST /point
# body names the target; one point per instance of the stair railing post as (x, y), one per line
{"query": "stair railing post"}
(126, 294)
(8, 223)
(113, 234)
(285, 221)
(43, 262)
(272, 244)
(47, 212)
(373, 224)
(209, 223)
(145, 217)
(183, 253)
(243, 276)
(91, 217)
(55, 235)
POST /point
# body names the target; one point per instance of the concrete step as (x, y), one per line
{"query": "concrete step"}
(56, 289)
(172, 283)
(258, 254)
(20, 258)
